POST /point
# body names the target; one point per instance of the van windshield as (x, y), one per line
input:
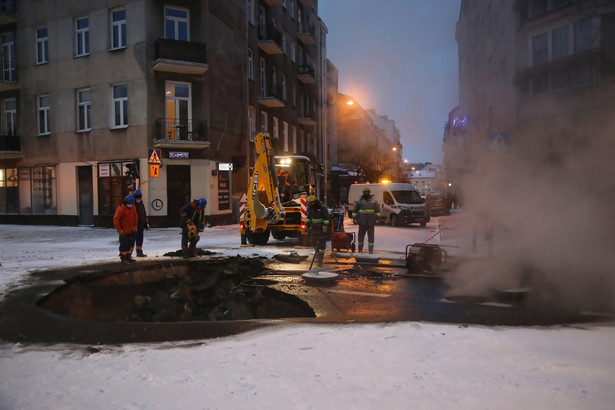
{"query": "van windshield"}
(407, 197)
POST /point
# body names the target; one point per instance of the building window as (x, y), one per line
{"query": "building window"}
(9, 191)
(8, 57)
(262, 79)
(583, 35)
(82, 37)
(294, 138)
(540, 49)
(274, 81)
(285, 135)
(250, 10)
(264, 122)
(9, 125)
(120, 106)
(284, 87)
(178, 111)
(84, 107)
(42, 46)
(275, 132)
(560, 42)
(252, 119)
(43, 190)
(176, 24)
(118, 29)
(292, 9)
(113, 186)
(250, 64)
(293, 51)
(43, 106)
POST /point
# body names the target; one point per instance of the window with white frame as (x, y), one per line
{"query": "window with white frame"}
(118, 29)
(285, 135)
(43, 107)
(84, 107)
(120, 106)
(42, 46)
(276, 131)
(176, 23)
(8, 56)
(250, 10)
(82, 37)
(561, 45)
(178, 110)
(262, 79)
(250, 64)
(540, 49)
(264, 121)
(9, 108)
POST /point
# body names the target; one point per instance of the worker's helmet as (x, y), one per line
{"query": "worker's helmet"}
(130, 199)
(311, 200)
(366, 190)
(137, 194)
(202, 203)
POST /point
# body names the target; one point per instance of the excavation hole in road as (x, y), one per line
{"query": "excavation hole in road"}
(209, 290)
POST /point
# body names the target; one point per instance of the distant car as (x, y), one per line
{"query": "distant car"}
(437, 204)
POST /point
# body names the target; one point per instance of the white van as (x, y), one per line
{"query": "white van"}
(400, 203)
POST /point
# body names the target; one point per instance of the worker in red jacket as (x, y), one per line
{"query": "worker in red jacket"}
(125, 221)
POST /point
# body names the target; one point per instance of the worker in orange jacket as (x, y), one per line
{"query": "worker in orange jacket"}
(125, 221)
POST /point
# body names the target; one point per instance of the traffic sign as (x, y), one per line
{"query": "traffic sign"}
(154, 171)
(153, 156)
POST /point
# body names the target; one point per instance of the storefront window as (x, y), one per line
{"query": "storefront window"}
(9, 191)
(44, 190)
(113, 186)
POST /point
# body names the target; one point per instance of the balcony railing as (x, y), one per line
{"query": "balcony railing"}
(270, 39)
(171, 132)
(10, 146)
(272, 96)
(176, 56)
(306, 74)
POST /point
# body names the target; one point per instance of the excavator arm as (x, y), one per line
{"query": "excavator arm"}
(263, 197)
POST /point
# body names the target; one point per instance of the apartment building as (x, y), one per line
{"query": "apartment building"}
(536, 81)
(101, 98)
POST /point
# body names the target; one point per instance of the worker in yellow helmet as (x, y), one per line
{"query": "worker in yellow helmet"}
(366, 211)
(318, 224)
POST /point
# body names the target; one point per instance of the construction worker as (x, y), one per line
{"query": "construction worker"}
(192, 222)
(366, 210)
(125, 222)
(317, 224)
(143, 223)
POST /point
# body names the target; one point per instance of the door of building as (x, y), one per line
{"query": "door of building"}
(178, 188)
(86, 197)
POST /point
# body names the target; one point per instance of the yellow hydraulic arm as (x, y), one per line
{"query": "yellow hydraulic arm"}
(264, 197)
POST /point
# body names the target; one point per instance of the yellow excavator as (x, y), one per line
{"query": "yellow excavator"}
(276, 200)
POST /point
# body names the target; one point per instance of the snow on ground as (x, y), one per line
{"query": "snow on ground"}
(388, 365)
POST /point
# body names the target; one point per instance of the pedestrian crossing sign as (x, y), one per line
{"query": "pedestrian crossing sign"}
(153, 157)
(154, 171)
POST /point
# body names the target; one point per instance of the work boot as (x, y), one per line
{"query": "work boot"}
(123, 259)
(140, 253)
(185, 253)
(129, 258)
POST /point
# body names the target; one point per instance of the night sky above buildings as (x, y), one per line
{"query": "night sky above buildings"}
(400, 58)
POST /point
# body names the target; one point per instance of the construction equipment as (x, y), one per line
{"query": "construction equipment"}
(424, 258)
(276, 199)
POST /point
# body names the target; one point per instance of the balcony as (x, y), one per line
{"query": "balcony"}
(176, 134)
(307, 3)
(184, 57)
(307, 118)
(272, 97)
(270, 40)
(10, 147)
(306, 34)
(305, 74)
(7, 12)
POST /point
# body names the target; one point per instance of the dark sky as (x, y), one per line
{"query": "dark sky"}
(400, 58)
